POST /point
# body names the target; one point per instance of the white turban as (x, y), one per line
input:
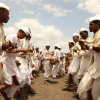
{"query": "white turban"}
(71, 41)
(93, 18)
(2, 5)
(56, 45)
(59, 47)
(75, 34)
(47, 44)
(26, 30)
(83, 29)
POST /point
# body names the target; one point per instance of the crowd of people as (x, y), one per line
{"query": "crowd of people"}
(84, 59)
(21, 62)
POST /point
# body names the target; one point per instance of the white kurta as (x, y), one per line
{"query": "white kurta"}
(85, 61)
(63, 62)
(24, 69)
(47, 66)
(1, 41)
(55, 68)
(91, 80)
(70, 58)
(10, 69)
(36, 60)
(75, 64)
(1, 37)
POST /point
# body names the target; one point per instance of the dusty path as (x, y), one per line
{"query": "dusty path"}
(49, 92)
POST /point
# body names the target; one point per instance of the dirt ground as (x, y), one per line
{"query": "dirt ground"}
(52, 91)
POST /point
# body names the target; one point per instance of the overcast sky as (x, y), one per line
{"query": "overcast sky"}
(51, 21)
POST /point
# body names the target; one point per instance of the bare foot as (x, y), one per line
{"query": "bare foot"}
(46, 82)
(66, 89)
(31, 90)
(17, 94)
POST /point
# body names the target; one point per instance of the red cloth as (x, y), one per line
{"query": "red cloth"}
(15, 80)
(5, 95)
(1, 65)
(41, 66)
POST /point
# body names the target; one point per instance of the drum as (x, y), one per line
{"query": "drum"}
(54, 60)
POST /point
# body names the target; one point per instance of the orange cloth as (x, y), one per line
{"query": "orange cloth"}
(67, 64)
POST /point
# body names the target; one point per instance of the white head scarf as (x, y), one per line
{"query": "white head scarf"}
(47, 44)
(2, 5)
(75, 34)
(26, 30)
(93, 18)
(83, 29)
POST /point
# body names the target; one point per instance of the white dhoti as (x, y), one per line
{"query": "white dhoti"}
(63, 67)
(74, 66)
(84, 86)
(13, 80)
(55, 70)
(36, 67)
(23, 70)
(76, 80)
(0, 69)
(96, 89)
(47, 68)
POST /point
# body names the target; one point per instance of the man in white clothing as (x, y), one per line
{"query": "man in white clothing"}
(61, 62)
(90, 83)
(36, 59)
(24, 69)
(4, 17)
(71, 47)
(11, 77)
(84, 53)
(75, 64)
(55, 68)
(47, 66)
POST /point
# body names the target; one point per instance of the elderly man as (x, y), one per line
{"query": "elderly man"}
(90, 83)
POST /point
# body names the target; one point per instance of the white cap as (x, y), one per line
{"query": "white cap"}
(26, 30)
(83, 29)
(47, 44)
(71, 41)
(2, 5)
(75, 34)
(93, 18)
(56, 45)
(59, 47)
